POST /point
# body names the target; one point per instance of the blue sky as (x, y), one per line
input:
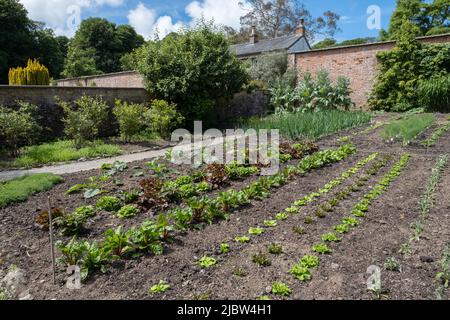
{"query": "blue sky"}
(164, 16)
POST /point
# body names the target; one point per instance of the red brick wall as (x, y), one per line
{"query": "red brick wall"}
(128, 79)
(358, 63)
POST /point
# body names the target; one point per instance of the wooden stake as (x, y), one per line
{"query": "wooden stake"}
(52, 246)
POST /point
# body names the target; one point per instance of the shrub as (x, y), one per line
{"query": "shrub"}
(33, 74)
(83, 123)
(402, 68)
(269, 68)
(130, 118)
(17, 128)
(434, 93)
(163, 117)
(192, 68)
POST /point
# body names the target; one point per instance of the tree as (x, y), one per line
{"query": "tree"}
(101, 42)
(325, 43)
(16, 36)
(275, 18)
(430, 17)
(191, 69)
(22, 39)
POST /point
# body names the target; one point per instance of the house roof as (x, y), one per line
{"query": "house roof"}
(281, 43)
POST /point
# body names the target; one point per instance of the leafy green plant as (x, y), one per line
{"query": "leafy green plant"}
(118, 242)
(281, 216)
(392, 264)
(235, 171)
(330, 237)
(243, 239)
(71, 224)
(321, 248)
(108, 203)
(261, 260)
(298, 230)
(18, 127)
(88, 256)
(275, 248)
(207, 262)
(84, 122)
(350, 221)
(301, 272)
(224, 248)
(148, 237)
(310, 261)
(342, 228)
(270, 223)
(239, 272)
(130, 118)
(127, 211)
(256, 231)
(163, 117)
(281, 289)
(160, 287)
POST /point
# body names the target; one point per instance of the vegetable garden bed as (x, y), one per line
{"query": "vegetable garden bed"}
(311, 232)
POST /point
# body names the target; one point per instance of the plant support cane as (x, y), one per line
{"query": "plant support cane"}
(52, 247)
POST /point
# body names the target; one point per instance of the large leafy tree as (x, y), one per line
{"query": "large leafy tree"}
(22, 38)
(430, 17)
(192, 69)
(276, 18)
(16, 36)
(100, 44)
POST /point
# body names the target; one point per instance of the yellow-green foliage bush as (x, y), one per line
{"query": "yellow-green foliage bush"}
(33, 74)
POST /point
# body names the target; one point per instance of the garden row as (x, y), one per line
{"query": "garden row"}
(151, 234)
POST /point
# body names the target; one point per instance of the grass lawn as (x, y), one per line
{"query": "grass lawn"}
(62, 151)
(408, 128)
(310, 125)
(20, 189)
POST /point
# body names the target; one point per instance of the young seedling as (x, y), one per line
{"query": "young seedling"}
(275, 248)
(292, 210)
(350, 221)
(342, 228)
(308, 220)
(207, 262)
(330, 237)
(282, 216)
(256, 231)
(161, 287)
(281, 289)
(321, 248)
(310, 261)
(300, 272)
(239, 272)
(392, 264)
(224, 248)
(270, 223)
(298, 230)
(261, 259)
(243, 239)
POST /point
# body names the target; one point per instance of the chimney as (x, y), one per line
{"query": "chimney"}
(301, 30)
(253, 35)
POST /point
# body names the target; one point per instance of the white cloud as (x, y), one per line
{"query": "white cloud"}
(225, 12)
(146, 23)
(164, 26)
(63, 16)
(142, 19)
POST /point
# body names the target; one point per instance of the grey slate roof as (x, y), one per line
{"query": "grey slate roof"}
(280, 43)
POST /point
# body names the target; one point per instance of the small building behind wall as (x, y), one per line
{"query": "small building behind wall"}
(254, 48)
